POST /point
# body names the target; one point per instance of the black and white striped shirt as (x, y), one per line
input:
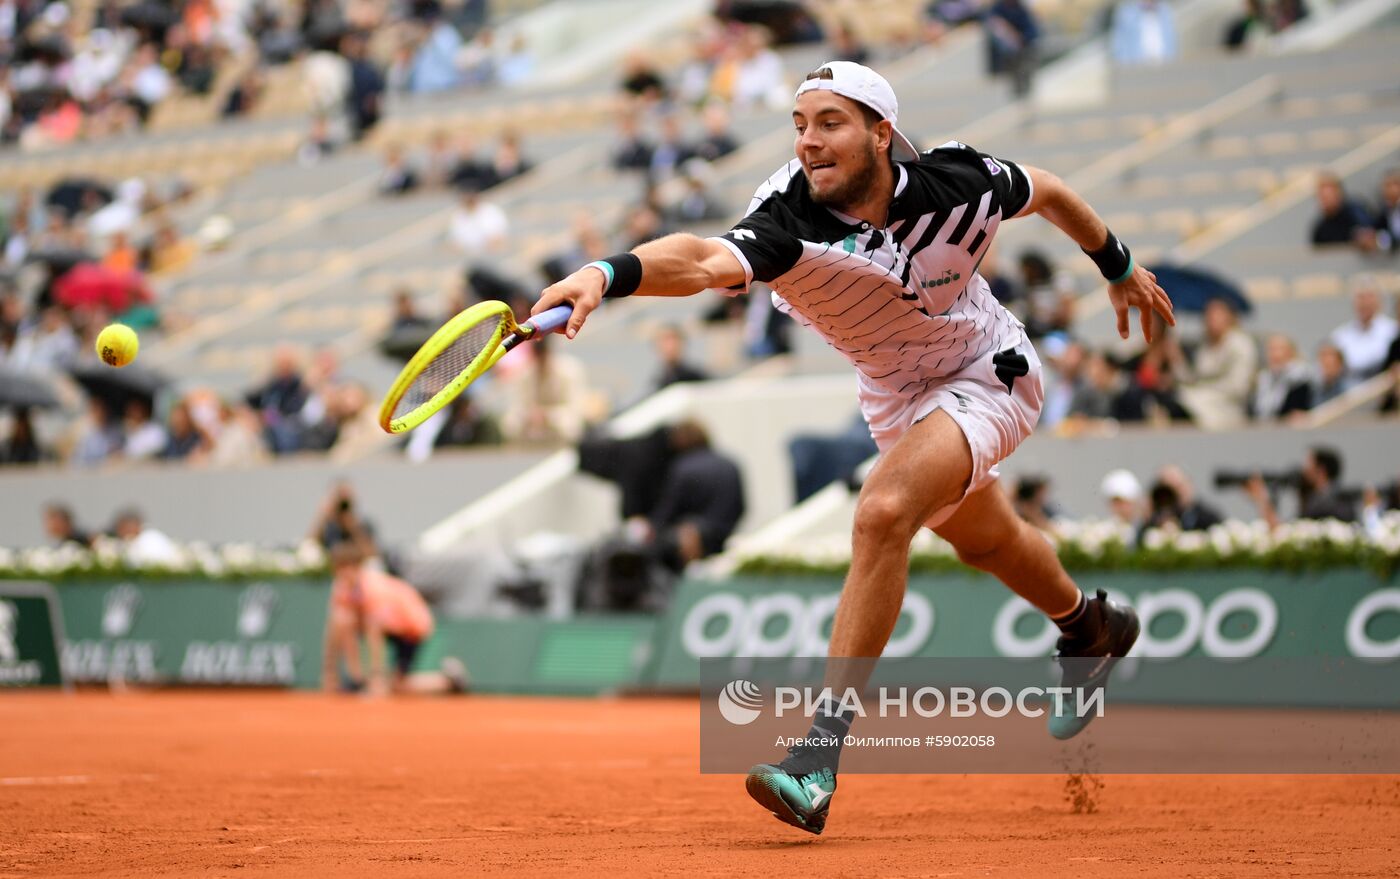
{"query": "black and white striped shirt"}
(903, 303)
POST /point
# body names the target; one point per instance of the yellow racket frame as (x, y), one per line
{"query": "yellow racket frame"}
(437, 343)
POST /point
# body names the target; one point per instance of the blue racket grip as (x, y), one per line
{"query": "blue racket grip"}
(551, 320)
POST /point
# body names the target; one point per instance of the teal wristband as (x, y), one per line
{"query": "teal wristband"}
(1132, 266)
(607, 271)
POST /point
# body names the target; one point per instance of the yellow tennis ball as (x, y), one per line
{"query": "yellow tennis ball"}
(117, 344)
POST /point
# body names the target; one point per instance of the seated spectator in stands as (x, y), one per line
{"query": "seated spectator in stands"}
(1387, 221)
(1031, 500)
(1216, 389)
(21, 446)
(636, 465)
(819, 459)
(1144, 32)
(641, 81)
(120, 256)
(1174, 503)
(589, 243)
(1339, 218)
(692, 202)
(1122, 493)
(141, 544)
(442, 159)
(245, 95)
(477, 226)
(468, 425)
(548, 397)
(406, 316)
(471, 171)
(48, 346)
(1064, 378)
(516, 63)
(1013, 38)
(434, 66)
(61, 528)
(1004, 286)
(170, 252)
(1049, 295)
(318, 144)
(670, 352)
(364, 96)
(397, 176)
(670, 152)
(280, 399)
(759, 80)
(1319, 491)
(1095, 397)
(338, 520)
(845, 46)
(1284, 386)
(1365, 339)
(239, 439)
(1330, 377)
(96, 436)
(145, 438)
(642, 223)
(509, 161)
(702, 499)
(631, 151)
(184, 439)
(719, 140)
(151, 83)
(122, 213)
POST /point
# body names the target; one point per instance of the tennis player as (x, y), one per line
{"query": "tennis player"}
(875, 246)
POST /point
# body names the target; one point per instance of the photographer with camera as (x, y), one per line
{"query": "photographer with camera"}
(1173, 504)
(1317, 482)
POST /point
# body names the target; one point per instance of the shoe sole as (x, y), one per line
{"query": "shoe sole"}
(1121, 650)
(763, 788)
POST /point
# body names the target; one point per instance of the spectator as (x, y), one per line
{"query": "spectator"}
(1331, 379)
(1144, 33)
(238, 442)
(1174, 503)
(406, 316)
(719, 140)
(120, 256)
(21, 446)
(510, 161)
(1095, 398)
(170, 252)
(318, 144)
(1122, 493)
(122, 213)
(1365, 339)
(97, 436)
(693, 203)
(702, 500)
(632, 151)
(670, 352)
(1013, 36)
(441, 161)
(548, 398)
(1049, 295)
(477, 226)
(434, 66)
(517, 63)
(820, 459)
(151, 82)
(61, 528)
(1319, 492)
(1284, 385)
(397, 177)
(280, 399)
(364, 95)
(1216, 391)
(641, 81)
(758, 74)
(1387, 222)
(141, 544)
(670, 152)
(1063, 380)
(183, 437)
(49, 346)
(846, 47)
(1031, 500)
(468, 425)
(245, 95)
(144, 437)
(1339, 218)
(1248, 28)
(642, 223)
(339, 521)
(470, 172)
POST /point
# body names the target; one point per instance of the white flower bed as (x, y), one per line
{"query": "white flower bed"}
(108, 557)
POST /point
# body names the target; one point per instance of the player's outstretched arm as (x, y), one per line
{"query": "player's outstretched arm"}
(677, 265)
(1129, 284)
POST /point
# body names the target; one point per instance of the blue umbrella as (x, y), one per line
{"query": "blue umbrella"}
(1191, 288)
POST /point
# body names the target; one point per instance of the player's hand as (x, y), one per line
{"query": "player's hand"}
(1140, 291)
(583, 290)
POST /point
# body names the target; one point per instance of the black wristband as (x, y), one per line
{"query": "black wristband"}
(1113, 259)
(624, 273)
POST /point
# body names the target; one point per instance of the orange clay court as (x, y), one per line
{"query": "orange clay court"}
(280, 784)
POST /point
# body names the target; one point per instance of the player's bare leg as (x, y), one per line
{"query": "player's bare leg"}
(989, 536)
(926, 470)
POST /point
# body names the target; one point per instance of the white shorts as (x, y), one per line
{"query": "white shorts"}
(994, 419)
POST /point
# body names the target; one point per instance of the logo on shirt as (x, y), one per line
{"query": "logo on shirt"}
(949, 276)
(744, 235)
(993, 166)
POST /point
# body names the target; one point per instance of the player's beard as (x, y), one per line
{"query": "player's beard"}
(857, 184)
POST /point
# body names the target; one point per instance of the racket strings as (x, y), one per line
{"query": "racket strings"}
(448, 365)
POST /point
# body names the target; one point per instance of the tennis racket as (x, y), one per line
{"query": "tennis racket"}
(457, 355)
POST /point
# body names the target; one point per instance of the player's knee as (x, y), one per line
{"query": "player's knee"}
(884, 516)
(992, 550)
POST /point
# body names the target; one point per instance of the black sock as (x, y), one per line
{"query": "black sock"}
(829, 728)
(1081, 623)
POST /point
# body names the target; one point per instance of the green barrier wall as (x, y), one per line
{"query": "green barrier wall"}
(1236, 615)
(31, 630)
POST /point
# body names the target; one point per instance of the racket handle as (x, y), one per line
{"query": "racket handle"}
(551, 320)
